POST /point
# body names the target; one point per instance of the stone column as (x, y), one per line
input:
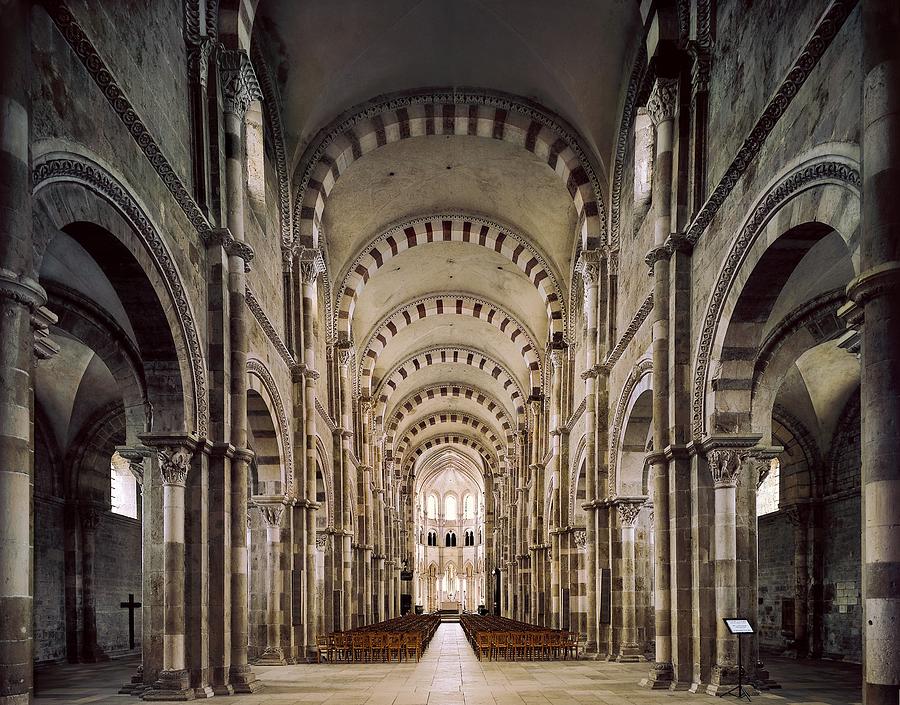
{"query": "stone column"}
(272, 511)
(239, 89)
(311, 265)
(726, 458)
(589, 268)
(661, 108)
(20, 295)
(90, 520)
(877, 293)
(345, 579)
(556, 369)
(174, 455)
(630, 650)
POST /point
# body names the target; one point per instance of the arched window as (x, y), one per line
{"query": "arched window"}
(470, 537)
(469, 507)
(450, 539)
(123, 490)
(767, 493)
(432, 507)
(450, 507)
(432, 538)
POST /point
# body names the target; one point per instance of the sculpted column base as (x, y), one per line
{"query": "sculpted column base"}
(659, 678)
(724, 678)
(227, 689)
(171, 686)
(244, 680)
(272, 656)
(630, 653)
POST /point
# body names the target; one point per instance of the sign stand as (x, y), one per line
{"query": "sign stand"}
(738, 627)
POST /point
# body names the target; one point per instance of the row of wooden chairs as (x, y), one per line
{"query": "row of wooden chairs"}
(495, 638)
(401, 638)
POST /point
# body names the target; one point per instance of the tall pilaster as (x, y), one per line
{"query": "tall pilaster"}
(239, 89)
(877, 293)
(589, 268)
(556, 369)
(311, 265)
(661, 107)
(344, 537)
(173, 458)
(272, 510)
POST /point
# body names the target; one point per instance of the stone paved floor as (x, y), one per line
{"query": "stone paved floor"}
(449, 674)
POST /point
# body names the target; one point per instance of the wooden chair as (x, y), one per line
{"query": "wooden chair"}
(394, 643)
(324, 648)
(360, 649)
(570, 645)
(412, 643)
(500, 644)
(483, 641)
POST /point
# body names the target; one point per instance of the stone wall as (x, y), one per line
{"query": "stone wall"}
(776, 579)
(842, 609)
(118, 574)
(49, 580)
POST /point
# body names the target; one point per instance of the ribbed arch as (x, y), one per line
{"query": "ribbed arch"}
(447, 417)
(457, 439)
(451, 228)
(449, 355)
(465, 391)
(444, 305)
(449, 112)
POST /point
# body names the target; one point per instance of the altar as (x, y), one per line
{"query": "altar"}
(451, 606)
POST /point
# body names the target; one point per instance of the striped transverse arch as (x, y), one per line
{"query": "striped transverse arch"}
(432, 421)
(450, 439)
(451, 228)
(448, 112)
(449, 305)
(444, 391)
(443, 355)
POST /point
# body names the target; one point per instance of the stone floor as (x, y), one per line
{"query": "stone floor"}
(449, 674)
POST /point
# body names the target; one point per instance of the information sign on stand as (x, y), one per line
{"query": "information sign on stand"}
(738, 627)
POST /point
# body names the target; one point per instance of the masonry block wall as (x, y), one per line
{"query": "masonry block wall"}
(49, 580)
(776, 580)
(118, 575)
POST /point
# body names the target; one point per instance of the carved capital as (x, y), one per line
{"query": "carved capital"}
(240, 86)
(725, 466)
(199, 51)
(662, 101)
(174, 464)
(41, 320)
(346, 353)
(271, 510)
(580, 538)
(90, 518)
(588, 266)
(232, 247)
(556, 358)
(628, 511)
(312, 264)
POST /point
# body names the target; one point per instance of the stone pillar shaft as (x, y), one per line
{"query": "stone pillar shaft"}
(661, 107)
(273, 513)
(629, 649)
(877, 292)
(239, 89)
(18, 295)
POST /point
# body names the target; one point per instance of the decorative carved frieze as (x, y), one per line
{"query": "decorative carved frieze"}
(78, 170)
(803, 65)
(90, 518)
(579, 536)
(634, 326)
(826, 171)
(240, 86)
